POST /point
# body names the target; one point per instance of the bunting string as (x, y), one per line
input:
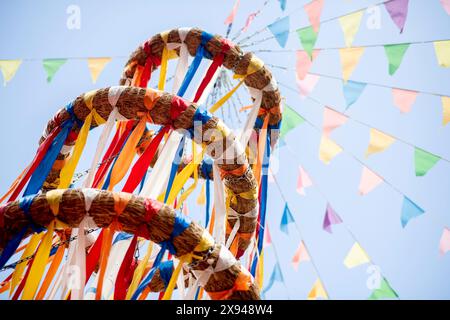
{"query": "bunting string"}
(254, 16)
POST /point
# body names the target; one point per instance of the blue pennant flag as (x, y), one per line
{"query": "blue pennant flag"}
(282, 4)
(352, 91)
(276, 275)
(286, 219)
(410, 210)
(280, 30)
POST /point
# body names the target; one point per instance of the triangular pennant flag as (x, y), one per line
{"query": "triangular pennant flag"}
(350, 26)
(9, 69)
(307, 85)
(185, 209)
(96, 66)
(267, 237)
(314, 9)
(379, 142)
(328, 149)
(303, 181)
(404, 99)
(424, 161)
(291, 120)
(201, 199)
(444, 243)
(301, 255)
(369, 181)
(308, 38)
(286, 218)
(445, 110)
(282, 4)
(356, 256)
(317, 291)
(280, 29)
(304, 63)
(384, 291)
(410, 210)
(352, 91)
(395, 54)
(233, 12)
(398, 10)
(51, 66)
(442, 49)
(349, 60)
(332, 120)
(249, 20)
(446, 5)
(331, 218)
(276, 275)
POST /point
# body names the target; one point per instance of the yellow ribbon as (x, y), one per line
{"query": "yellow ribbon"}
(41, 258)
(138, 273)
(126, 155)
(29, 250)
(251, 194)
(54, 266)
(225, 98)
(69, 169)
(164, 58)
(206, 242)
(255, 65)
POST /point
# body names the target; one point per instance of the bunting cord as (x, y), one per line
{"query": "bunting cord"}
(256, 14)
(302, 238)
(363, 123)
(324, 196)
(243, 44)
(358, 46)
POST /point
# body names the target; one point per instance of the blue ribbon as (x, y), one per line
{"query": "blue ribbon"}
(199, 116)
(180, 224)
(42, 171)
(199, 55)
(122, 236)
(13, 244)
(175, 164)
(263, 203)
(166, 270)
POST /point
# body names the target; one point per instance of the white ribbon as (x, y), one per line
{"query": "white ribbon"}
(183, 61)
(159, 176)
(113, 96)
(233, 215)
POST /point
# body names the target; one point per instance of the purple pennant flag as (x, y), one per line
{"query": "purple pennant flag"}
(398, 10)
(331, 217)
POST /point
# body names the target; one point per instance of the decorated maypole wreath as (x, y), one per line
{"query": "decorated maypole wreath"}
(43, 216)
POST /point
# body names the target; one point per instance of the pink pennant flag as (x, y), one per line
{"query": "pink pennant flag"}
(444, 244)
(306, 86)
(267, 237)
(303, 181)
(314, 10)
(304, 63)
(369, 181)
(331, 218)
(301, 255)
(332, 120)
(232, 15)
(404, 99)
(250, 19)
(185, 209)
(446, 5)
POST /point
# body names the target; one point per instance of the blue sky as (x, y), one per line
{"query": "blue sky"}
(408, 258)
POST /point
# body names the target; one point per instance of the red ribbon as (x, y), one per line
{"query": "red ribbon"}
(150, 63)
(142, 164)
(123, 279)
(178, 106)
(93, 256)
(217, 62)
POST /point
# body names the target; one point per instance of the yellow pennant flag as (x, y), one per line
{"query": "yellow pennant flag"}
(317, 291)
(201, 199)
(356, 256)
(379, 142)
(442, 49)
(350, 26)
(9, 69)
(96, 66)
(445, 110)
(328, 149)
(349, 60)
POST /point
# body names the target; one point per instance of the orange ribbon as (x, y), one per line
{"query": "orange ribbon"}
(242, 283)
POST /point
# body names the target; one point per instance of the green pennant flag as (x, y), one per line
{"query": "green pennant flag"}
(424, 161)
(384, 291)
(51, 66)
(308, 39)
(291, 119)
(395, 53)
